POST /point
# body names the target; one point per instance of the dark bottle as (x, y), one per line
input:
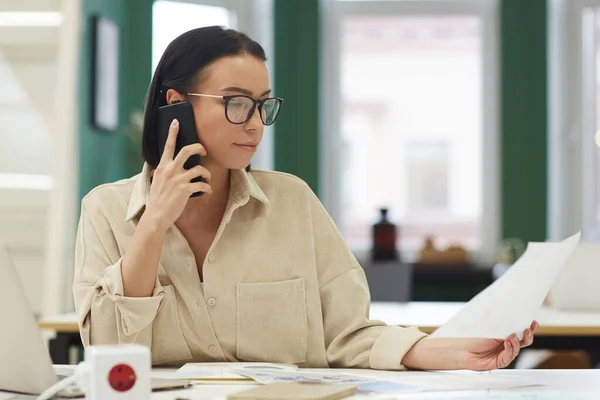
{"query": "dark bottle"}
(384, 238)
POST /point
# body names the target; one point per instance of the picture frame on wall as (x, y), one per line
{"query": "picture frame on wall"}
(105, 74)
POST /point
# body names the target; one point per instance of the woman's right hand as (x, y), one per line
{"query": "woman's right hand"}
(171, 184)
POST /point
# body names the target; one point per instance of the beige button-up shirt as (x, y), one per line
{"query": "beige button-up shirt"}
(280, 284)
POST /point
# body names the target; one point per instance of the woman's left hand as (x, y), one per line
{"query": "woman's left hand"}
(487, 354)
(467, 353)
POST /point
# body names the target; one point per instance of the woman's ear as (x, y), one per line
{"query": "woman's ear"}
(173, 96)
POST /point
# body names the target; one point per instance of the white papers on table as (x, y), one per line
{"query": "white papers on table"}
(365, 384)
(225, 371)
(329, 376)
(512, 302)
(367, 381)
(400, 382)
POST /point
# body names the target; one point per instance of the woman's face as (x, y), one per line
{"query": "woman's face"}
(229, 145)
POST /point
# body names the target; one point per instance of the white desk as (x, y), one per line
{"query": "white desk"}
(584, 385)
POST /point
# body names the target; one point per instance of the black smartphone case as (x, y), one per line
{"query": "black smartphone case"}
(184, 113)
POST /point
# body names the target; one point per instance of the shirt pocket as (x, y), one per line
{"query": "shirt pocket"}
(168, 343)
(272, 321)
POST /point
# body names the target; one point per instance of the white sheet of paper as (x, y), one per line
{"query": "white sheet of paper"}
(402, 382)
(225, 371)
(366, 385)
(511, 303)
(272, 376)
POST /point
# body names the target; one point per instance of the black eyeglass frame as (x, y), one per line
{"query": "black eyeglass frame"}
(255, 103)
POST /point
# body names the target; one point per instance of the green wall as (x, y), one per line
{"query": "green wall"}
(109, 156)
(296, 65)
(524, 118)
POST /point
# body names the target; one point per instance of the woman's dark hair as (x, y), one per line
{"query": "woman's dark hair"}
(182, 65)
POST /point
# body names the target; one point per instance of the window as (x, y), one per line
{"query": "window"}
(590, 126)
(427, 167)
(596, 143)
(172, 18)
(574, 119)
(416, 120)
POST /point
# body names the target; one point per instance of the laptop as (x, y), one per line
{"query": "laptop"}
(577, 287)
(25, 364)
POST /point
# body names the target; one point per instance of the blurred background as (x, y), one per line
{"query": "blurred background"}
(475, 123)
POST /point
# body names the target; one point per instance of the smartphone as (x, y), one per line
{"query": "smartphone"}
(184, 113)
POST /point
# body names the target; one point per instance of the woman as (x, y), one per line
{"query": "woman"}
(254, 270)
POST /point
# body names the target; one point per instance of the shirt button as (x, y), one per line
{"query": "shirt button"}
(211, 258)
(212, 348)
(212, 301)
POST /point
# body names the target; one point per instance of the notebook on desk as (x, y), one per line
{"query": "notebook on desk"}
(25, 364)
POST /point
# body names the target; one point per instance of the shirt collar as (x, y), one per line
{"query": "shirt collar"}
(243, 187)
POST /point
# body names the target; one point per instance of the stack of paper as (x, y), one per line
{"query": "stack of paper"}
(225, 372)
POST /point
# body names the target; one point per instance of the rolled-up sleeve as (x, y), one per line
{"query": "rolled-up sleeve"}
(351, 338)
(104, 314)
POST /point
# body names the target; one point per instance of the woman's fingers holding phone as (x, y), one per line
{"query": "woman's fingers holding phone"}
(169, 151)
(187, 152)
(195, 172)
(199, 187)
(172, 184)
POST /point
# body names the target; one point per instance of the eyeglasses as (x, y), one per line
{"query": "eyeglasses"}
(239, 108)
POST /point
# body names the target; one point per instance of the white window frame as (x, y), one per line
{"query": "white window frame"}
(254, 18)
(333, 13)
(572, 97)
